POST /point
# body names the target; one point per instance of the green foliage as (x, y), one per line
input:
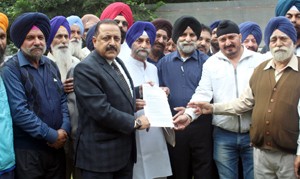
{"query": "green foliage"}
(13, 8)
(52, 8)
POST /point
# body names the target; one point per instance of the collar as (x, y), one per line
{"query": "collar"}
(247, 53)
(137, 62)
(110, 61)
(24, 62)
(51, 57)
(176, 56)
(293, 63)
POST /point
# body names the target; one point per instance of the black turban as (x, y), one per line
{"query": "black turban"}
(227, 27)
(24, 23)
(182, 23)
(163, 24)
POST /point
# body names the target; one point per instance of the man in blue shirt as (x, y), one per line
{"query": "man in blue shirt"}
(181, 71)
(37, 101)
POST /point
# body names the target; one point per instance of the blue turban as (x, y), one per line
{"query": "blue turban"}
(24, 23)
(284, 25)
(75, 20)
(283, 6)
(89, 38)
(214, 24)
(55, 23)
(137, 29)
(247, 28)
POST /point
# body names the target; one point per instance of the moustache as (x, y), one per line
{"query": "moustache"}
(62, 46)
(187, 43)
(159, 45)
(110, 47)
(75, 40)
(229, 46)
(276, 49)
(201, 46)
(36, 48)
(143, 50)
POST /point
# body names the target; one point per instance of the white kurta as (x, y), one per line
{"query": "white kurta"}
(152, 153)
(125, 52)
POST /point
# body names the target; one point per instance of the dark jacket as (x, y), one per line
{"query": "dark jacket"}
(105, 139)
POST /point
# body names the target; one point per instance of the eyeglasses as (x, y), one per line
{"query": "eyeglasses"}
(124, 23)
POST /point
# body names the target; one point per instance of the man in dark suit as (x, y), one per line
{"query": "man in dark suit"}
(105, 145)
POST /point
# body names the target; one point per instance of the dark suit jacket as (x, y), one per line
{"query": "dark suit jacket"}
(105, 137)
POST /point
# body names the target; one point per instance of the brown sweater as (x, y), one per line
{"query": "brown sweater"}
(275, 118)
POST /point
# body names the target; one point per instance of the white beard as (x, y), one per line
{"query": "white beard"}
(281, 56)
(63, 59)
(75, 47)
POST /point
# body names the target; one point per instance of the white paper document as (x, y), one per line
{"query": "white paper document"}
(157, 108)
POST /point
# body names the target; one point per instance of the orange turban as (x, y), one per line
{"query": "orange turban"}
(3, 22)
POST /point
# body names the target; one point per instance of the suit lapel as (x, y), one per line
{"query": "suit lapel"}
(116, 78)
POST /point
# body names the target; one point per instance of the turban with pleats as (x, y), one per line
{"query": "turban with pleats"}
(24, 23)
(284, 25)
(75, 20)
(182, 23)
(3, 22)
(283, 6)
(163, 24)
(247, 28)
(214, 24)
(137, 29)
(115, 9)
(55, 24)
(89, 19)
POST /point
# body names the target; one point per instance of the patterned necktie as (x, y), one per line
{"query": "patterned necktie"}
(125, 84)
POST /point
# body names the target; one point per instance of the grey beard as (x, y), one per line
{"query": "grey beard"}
(186, 49)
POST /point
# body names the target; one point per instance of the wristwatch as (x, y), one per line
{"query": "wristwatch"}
(137, 123)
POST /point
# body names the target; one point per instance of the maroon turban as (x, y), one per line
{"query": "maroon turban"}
(163, 24)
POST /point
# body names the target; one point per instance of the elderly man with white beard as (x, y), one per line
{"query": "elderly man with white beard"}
(273, 94)
(77, 30)
(59, 46)
(60, 53)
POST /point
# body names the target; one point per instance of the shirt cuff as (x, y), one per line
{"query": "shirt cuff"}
(216, 108)
(190, 112)
(298, 150)
(67, 127)
(52, 136)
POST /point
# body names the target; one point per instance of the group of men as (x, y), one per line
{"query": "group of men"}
(79, 111)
